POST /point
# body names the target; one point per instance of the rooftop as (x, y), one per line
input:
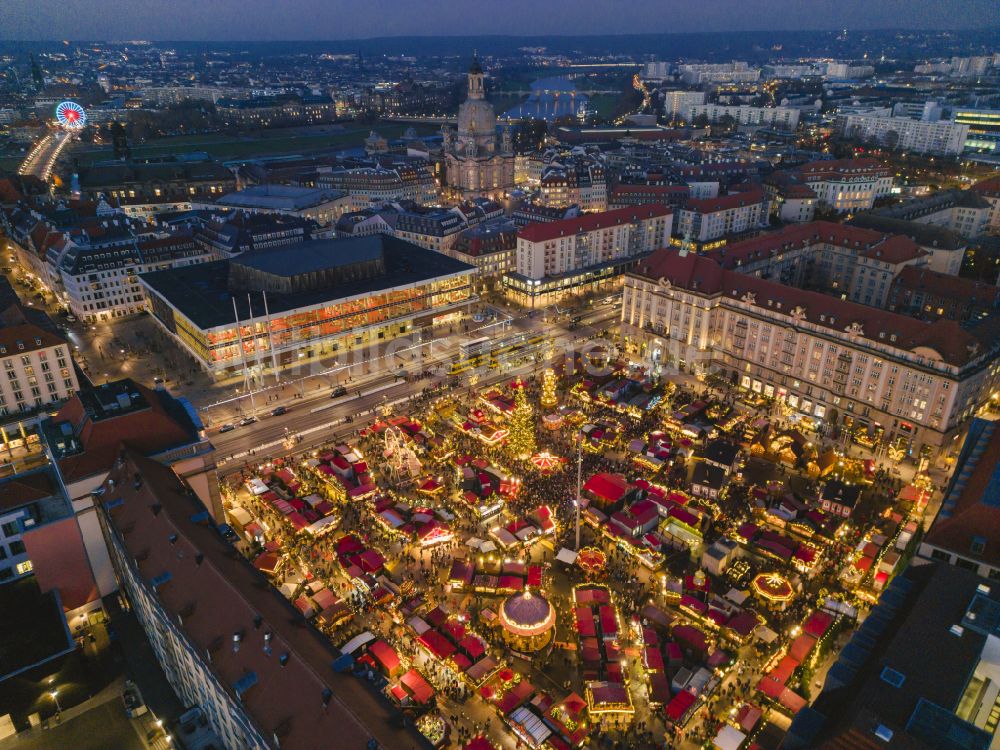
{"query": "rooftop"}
(969, 520)
(279, 197)
(33, 628)
(26, 488)
(26, 337)
(791, 237)
(943, 339)
(541, 232)
(201, 292)
(725, 202)
(934, 202)
(295, 695)
(85, 434)
(947, 285)
(842, 166)
(906, 670)
(925, 235)
(311, 256)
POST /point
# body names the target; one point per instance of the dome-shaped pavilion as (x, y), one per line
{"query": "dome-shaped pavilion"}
(528, 621)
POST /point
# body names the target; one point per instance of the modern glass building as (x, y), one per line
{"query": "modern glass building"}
(266, 309)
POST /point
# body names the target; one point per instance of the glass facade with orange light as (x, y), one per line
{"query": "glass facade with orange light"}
(338, 324)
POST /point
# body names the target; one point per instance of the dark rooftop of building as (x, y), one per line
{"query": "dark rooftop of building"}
(202, 294)
(32, 629)
(312, 255)
(905, 669)
(29, 487)
(968, 522)
(925, 235)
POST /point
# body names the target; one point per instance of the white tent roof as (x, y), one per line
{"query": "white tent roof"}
(357, 642)
(736, 596)
(566, 555)
(729, 738)
(765, 634)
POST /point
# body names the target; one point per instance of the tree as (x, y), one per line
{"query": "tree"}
(701, 121)
(728, 122)
(549, 399)
(891, 139)
(521, 440)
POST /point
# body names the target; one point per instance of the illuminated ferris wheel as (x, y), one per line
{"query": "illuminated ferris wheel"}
(70, 115)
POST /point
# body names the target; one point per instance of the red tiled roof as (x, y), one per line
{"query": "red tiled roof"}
(797, 235)
(945, 285)
(725, 202)
(148, 431)
(26, 488)
(839, 167)
(9, 192)
(971, 516)
(788, 185)
(540, 232)
(29, 336)
(657, 189)
(60, 561)
(988, 187)
(221, 594)
(895, 249)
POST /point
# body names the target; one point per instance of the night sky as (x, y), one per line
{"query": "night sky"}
(340, 19)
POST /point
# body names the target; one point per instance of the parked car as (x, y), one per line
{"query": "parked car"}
(247, 420)
(132, 698)
(228, 427)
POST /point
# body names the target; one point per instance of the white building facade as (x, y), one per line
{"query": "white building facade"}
(573, 244)
(917, 382)
(940, 137)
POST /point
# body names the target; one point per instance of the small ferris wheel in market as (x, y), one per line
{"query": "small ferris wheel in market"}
(71, 116)
(401, 460)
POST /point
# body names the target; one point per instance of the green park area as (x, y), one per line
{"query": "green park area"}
(224, 147)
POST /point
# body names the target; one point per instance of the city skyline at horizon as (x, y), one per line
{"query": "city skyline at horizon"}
(311, 20)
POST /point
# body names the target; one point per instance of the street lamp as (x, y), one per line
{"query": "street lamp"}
(579, 483)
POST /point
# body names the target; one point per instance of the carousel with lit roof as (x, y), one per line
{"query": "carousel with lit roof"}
(527, 622)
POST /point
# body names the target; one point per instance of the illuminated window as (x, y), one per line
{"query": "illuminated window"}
(24, 567)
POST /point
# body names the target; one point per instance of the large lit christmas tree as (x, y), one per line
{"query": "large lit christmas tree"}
(549, 400)
(521, 440)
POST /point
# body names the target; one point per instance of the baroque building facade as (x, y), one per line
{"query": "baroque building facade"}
(477, 162)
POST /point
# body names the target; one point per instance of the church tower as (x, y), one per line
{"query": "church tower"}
(476, 80)
(477, 162)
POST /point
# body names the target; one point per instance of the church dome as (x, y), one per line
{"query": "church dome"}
(476, 116)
